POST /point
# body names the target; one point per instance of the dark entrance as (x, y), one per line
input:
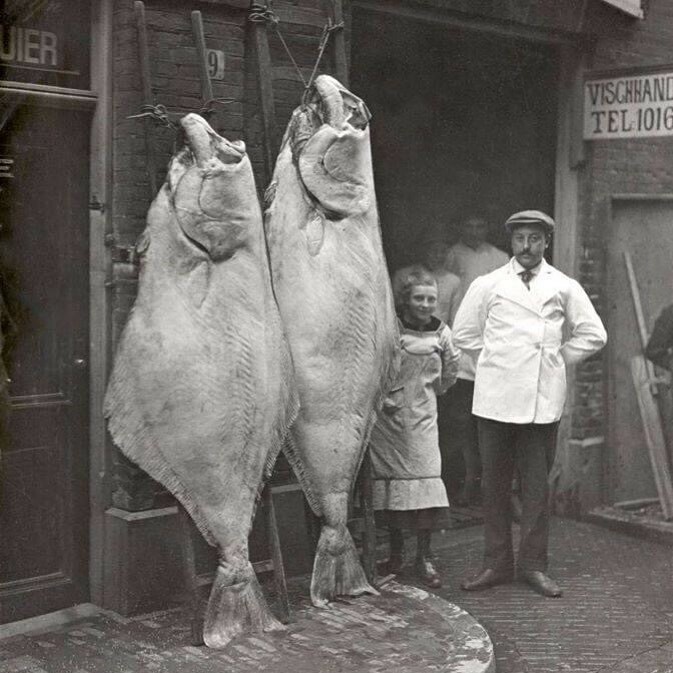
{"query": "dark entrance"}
(461, 121)
(44, 251)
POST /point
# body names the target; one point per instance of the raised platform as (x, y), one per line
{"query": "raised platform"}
(404, 630)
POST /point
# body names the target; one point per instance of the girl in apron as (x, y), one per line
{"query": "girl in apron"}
(409, 493)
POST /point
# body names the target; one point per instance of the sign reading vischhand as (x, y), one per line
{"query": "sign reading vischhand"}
(633, 106)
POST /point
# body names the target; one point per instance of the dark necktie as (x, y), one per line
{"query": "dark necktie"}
(526, 276)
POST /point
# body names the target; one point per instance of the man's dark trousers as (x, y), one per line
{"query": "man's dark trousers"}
(531, 447)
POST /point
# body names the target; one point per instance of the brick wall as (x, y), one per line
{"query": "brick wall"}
(616, 166)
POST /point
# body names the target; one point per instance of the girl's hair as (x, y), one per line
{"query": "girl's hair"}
(416, 275)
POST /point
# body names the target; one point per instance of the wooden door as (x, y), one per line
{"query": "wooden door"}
(645, 229)
(44, 159)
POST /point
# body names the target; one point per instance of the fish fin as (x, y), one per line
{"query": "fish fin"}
(294, 458)
(235, 608)
(336, 569)
(335, 168)
(315, 233)
(128, 430)
(143, 242)
(270, 193)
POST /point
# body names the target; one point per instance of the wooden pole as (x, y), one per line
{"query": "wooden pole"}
(336, 15)
(148, 98)
(369, 528)
(276, 556)
(267, 102)
(199, 38)
(191, 577)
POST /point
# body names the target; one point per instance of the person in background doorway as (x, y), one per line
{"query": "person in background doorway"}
(515, 320)
(408, 490)
(470, 258)
(660, 345)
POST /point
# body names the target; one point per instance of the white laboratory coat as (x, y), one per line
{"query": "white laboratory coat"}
(524, 339)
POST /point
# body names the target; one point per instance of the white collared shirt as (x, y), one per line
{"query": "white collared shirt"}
(516, 336)
(468, 264)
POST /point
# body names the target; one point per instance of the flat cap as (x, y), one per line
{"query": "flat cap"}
(530, 217)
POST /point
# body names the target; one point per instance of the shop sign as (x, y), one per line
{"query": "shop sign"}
(635, 106)
(45, 42)
(632, 7)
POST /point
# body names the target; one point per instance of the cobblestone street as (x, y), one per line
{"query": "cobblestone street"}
(616, 616)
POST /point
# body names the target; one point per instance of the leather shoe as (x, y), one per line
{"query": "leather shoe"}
(487, 578)
(541, 583)
(427, 573)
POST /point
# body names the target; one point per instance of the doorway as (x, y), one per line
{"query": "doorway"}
(462, 122)
(44, 253)
(644, 228)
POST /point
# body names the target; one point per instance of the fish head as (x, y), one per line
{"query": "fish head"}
(329, 136)
(212, 191)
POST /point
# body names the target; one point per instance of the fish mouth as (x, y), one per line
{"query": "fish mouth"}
(337, 106)
(329, 139)
(208, 147)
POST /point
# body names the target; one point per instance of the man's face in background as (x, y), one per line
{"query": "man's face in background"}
(473, 231)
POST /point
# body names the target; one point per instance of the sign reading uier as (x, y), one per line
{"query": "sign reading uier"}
(636, 106)
(28, 46)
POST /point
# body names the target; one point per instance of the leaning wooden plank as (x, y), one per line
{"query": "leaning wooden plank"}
(148, 98)
(635, 296)
(200, 40)
(640, 318)
(654, 435)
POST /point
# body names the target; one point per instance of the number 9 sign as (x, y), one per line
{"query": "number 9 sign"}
(215, 60)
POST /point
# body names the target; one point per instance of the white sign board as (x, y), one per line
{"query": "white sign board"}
(215, 59)
(636, 106)
(632, 7)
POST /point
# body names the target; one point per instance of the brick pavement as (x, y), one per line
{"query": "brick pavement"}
(616, 615)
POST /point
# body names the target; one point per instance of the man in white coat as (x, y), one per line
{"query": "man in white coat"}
(514, 321)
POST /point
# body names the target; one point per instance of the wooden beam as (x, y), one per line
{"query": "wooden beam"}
(654, 435)
(336, 15)
(276, 556)
(148, 97)
(100, 271)
(267, 102)
(369, 523)
(200, 40)
(640, 317)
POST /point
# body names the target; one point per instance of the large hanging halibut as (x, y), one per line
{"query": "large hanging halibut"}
(332, 287)
(202, 391)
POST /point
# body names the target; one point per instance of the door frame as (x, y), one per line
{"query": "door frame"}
(610, 457)
(100, 275)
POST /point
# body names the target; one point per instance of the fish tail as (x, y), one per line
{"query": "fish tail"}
(337, 570)
(236, 606)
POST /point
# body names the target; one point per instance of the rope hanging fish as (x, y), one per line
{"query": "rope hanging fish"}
(263, 13)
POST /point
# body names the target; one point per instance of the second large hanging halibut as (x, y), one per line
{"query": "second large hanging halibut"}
(332, 287)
